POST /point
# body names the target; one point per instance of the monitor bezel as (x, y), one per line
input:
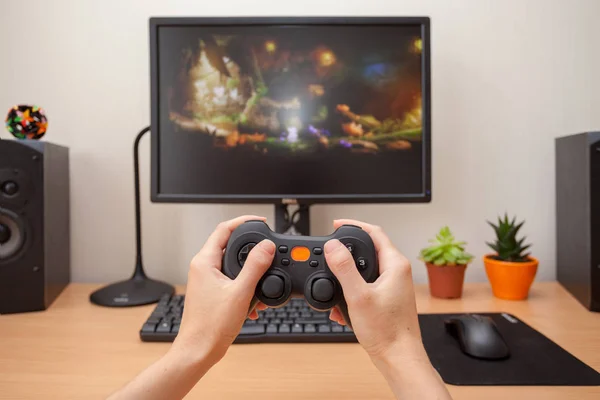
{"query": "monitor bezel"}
(157, 197)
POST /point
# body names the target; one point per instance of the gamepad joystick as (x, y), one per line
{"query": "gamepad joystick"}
(299, 268)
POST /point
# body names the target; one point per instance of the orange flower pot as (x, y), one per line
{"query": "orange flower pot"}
(510, 280)
(445, 281)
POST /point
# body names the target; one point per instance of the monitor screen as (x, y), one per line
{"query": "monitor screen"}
(315, 110)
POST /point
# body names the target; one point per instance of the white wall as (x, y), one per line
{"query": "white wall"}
(508, 77)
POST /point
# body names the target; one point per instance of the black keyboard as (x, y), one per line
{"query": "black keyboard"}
(295, 322)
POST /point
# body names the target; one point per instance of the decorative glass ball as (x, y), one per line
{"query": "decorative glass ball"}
(26, 122)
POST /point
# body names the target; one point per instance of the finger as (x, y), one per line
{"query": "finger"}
(261, 307)
(380, 239)
(389, 256)
(253, 315)
(342, 265)
(212, 252)
(257, 263)
(218, 239)
(337, 316)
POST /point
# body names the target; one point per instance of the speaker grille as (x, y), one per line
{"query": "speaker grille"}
(12, 239)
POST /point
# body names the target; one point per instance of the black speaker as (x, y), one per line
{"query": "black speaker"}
(578, 216)
(34, 224)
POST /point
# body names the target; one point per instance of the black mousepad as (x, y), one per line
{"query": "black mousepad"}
(534, 359)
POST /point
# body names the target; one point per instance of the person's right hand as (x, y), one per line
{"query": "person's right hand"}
(383, 313)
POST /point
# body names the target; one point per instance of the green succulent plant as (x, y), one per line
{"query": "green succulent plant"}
(445, 250)
(507, 246)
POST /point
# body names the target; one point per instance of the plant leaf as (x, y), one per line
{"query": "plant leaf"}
(439, 261)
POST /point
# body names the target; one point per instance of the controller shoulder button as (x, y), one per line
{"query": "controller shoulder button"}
(352, 226)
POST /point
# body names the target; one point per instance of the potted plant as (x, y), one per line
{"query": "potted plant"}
(511, 269)
(446, 262)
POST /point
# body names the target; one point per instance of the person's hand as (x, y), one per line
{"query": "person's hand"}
(384, 316)
(383, 313)
(216, 306)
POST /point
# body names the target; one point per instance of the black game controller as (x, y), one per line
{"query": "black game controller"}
(299, 268)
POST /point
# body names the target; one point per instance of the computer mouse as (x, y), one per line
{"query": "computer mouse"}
(478, 336)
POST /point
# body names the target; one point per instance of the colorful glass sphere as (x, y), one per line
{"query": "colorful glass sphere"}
(26, 122)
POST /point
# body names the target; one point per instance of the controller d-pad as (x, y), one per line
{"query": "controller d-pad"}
(273, 287)
(322, 290)
(243, 253)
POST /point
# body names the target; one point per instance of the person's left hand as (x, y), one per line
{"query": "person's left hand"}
(216, 306)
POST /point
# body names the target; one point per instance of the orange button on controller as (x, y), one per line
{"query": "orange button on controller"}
(300, 254)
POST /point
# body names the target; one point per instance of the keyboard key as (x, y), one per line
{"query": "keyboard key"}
(281, 314)
(163, 327)
(270, 314)
(297, 328)
(162, 309)
(275, 321)
(154, 320)
(284, 328)
(310, 328)
(323, 328)
(312, 320)
(148, 327)
(252, 329)
(250, 322)
(175, 328)
(287, 321)
(337, 328)
(271, 328)
(347, 329)
(305, 314)
(262, 321)
(164, 301)
(295, 314)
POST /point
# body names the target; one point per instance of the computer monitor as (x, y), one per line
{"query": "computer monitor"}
(301, 110)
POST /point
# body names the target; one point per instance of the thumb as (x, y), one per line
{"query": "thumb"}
(342, 265)
(258, 262)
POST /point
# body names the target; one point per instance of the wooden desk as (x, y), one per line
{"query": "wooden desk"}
(76, 350)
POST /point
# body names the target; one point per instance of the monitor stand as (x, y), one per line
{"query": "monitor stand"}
(292, 223)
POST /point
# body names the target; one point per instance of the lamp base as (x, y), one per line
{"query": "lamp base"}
(130, 293)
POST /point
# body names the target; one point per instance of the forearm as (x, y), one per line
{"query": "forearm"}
(410, 374)
(172, 377)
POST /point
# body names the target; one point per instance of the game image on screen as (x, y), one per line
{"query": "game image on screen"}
(291, 110)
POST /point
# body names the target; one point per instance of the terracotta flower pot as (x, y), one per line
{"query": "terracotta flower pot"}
(510, 280)
(445, 281)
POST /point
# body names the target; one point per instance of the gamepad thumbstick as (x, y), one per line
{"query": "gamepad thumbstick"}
(322, 290)
(273, 287)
